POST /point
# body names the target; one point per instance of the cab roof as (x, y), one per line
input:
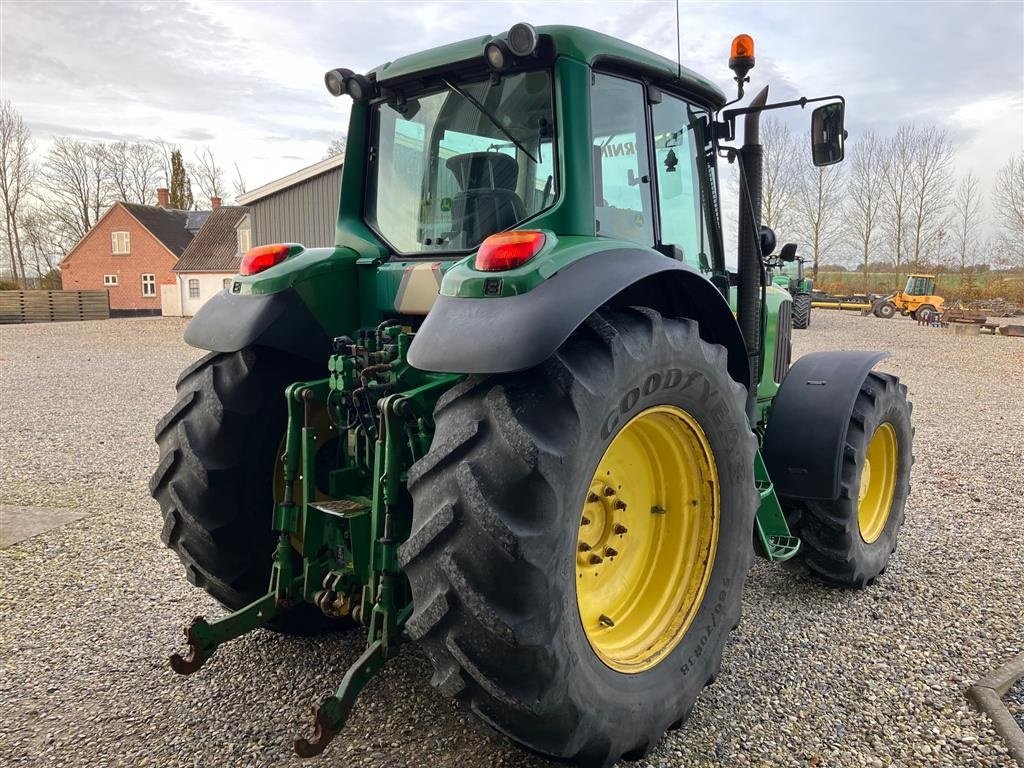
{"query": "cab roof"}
(584, 45)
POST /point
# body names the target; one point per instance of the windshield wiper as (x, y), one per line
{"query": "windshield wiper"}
(489, 116)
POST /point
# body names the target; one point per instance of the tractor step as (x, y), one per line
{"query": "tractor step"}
(777, 543)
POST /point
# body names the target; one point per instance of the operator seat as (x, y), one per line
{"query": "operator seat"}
(488, 202)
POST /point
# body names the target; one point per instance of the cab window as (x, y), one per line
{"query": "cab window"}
(681, 137)
(622, 182)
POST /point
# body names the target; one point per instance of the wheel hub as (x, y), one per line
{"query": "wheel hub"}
(877, 483)
(647, 539)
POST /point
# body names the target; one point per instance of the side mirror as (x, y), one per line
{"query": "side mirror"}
(767, 240)
(788, 252)
(828, 138)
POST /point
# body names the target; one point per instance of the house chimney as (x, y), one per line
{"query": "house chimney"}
(214, 203)
(162, 198)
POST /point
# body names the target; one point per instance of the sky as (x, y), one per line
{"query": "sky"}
(247, 78)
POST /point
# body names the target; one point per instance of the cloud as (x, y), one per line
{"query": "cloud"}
(247, 78)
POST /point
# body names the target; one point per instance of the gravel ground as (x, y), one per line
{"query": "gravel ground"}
(1015, 702)
(812, 677)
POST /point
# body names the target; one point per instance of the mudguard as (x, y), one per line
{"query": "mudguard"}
(803, 443)
(513, 333)
(229, 322)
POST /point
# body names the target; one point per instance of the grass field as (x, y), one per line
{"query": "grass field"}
(952, 285)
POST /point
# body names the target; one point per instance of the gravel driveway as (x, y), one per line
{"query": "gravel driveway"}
(812, 677)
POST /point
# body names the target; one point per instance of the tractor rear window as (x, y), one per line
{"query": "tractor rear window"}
(453, 166)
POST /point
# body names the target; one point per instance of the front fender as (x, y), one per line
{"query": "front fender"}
(806, 434)
(503, 334)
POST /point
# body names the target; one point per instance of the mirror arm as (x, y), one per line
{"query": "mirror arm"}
(726, 128)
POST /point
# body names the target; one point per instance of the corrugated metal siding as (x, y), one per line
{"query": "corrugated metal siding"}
(305, 213)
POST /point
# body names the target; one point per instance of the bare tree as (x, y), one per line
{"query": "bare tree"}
(865, 196)
(207, 174)
(336, 147)
(75, 184)
(44, 242)
(780, 176)
(968, 216)
(238, 182)
(165, 150)
(17, 174)
(1008, 212)
(898, 151)
(134, 170)
(818, 209)
(930, 183)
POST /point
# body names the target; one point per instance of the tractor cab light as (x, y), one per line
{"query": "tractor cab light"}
(741, 59)
(508, 250)
(263, 257)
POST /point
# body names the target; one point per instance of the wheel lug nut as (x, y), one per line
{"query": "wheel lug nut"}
(620, 504)
(592, 497)
(584, 547)
(657, 510)
(620, 528)
(609, 491)
(585, 520)
(596, 559)
(606, 621)
(610, 552)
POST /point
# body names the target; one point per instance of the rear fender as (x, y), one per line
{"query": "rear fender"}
(806, 433)
(502, 334)
(230, 322)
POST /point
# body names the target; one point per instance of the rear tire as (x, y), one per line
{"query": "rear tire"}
(842, 542)
(214, 481)
(924, 313)
(493, 556)
(802, 311)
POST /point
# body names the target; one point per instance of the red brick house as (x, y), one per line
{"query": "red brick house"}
(129, 252)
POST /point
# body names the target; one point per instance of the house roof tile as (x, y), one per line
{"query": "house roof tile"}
(167, 225)
(215, 246)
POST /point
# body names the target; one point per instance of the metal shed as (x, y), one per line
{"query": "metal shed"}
(299, 208)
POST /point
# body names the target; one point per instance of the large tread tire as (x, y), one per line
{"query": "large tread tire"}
(885, 310)
(802, 311)
(214, 481)
(497, 503)
(924, 312)
(832, 548)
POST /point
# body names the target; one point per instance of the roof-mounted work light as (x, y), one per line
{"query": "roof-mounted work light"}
(335, 79)
(522, 39)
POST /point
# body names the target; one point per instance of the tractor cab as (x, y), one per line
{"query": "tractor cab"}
(920, 285)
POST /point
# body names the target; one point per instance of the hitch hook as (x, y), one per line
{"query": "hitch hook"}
(334, 710)
(198, 652)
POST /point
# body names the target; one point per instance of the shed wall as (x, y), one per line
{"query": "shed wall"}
(305, 213)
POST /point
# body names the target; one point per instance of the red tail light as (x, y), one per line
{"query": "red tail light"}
(507, 250)
(263, 257)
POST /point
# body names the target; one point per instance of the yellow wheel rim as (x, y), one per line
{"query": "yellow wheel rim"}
(877, 483)
(647, 539)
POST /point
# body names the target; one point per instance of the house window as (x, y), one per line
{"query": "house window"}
(227, 282)
(244, 240)
(120, 243)
(193, 289)
(110, 279)
(149, 285)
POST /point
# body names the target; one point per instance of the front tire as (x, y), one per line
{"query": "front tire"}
(514, 477)
(802, 311)
(885, 310)
(848, 542)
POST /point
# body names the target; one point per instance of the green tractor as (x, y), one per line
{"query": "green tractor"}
(521, 413)
(795, 282)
